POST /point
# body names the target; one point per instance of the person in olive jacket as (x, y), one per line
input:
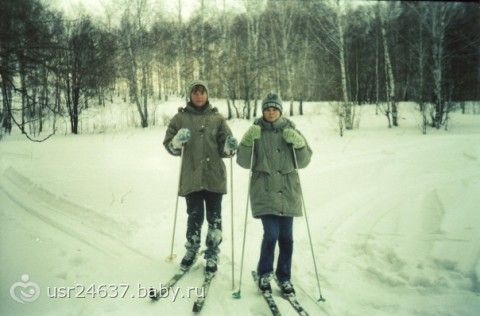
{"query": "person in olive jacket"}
(275, 192)
(205, 138)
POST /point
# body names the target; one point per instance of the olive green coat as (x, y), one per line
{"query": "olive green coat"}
(202, 167)
(275, 186)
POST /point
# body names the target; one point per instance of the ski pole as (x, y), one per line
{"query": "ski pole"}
(321, 299)
(172, 255)
(237, 293)
(231, 218)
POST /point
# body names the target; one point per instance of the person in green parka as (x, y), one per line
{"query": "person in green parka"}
(205, 138)
(275, 192)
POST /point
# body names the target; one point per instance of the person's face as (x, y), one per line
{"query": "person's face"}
(271, 114)
(199, 97)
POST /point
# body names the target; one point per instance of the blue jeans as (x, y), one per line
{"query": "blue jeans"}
(276, 228)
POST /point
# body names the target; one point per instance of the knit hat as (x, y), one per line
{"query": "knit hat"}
(272, 100)
(195, 83)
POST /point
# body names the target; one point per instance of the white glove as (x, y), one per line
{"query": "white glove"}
(231, 145)
(182, 137)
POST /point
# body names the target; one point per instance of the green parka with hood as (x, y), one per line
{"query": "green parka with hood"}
(275, 186)
(202, 167)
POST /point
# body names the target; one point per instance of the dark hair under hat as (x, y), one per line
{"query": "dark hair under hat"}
(272, 100)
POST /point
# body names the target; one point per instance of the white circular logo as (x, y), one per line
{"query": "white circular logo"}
(25, 291)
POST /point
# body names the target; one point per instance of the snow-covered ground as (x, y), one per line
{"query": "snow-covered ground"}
(394, 217)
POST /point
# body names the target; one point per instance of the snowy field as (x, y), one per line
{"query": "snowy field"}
(394, 215)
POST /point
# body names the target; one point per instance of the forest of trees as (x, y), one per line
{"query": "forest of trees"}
(381, 53)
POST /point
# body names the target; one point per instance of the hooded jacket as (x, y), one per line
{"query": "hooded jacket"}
(202, 165)
(275, 186)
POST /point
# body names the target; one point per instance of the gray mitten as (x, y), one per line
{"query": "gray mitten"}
(183, 136)
(231, 145)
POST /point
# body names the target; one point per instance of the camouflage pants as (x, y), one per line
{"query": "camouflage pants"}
(197, 203)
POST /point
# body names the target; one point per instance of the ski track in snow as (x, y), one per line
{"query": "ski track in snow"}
(359, 222)
(65, 216)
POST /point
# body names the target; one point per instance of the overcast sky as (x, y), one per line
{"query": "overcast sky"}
(96, 8)
(168, 8)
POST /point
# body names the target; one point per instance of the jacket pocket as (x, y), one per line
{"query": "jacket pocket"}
(260, 181)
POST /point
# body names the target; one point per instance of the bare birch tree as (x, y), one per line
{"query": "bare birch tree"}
(440, 17)
(387, 12)
(330, 17)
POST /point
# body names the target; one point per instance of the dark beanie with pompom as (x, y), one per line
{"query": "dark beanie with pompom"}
(272, 100)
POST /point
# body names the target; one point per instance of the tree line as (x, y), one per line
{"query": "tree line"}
(378, 52)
